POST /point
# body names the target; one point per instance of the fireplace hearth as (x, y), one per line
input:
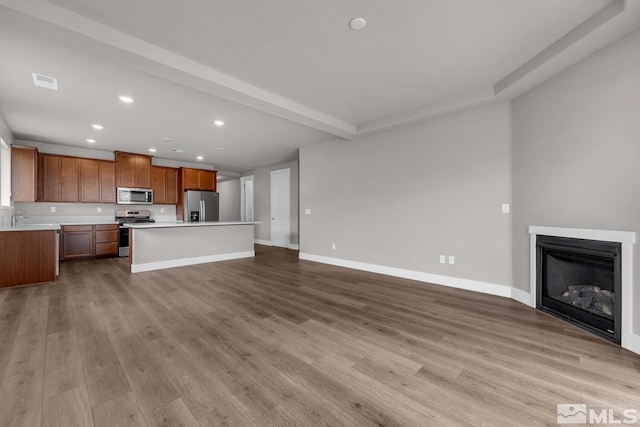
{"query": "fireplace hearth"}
(579, 280)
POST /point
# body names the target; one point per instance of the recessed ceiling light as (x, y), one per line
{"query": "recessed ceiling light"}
(97, 126)
(45, 81)
(153, 150)
(219, 148)
(218, 123)
(125, 99)
(91, 140)
(199, 157)
(357, 24)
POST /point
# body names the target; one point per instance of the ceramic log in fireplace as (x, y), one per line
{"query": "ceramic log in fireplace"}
(579, 280)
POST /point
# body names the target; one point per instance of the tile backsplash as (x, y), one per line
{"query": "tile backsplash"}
(44, 213)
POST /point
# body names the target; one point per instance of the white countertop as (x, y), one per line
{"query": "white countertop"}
(188, 224)
(32, 227)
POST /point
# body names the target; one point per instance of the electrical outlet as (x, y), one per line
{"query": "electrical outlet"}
(505, 208)
(333, 246)
(452, 259)
(53, 209)
(442, 259)
(99, 209)
(307, 211)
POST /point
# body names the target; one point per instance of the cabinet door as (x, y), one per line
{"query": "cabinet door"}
(107, 181)
(106, 238)
(89, 180)
(51, 178)
(171, 181)
(190, 179)
(77, 241)
(207, 181)
(158, 184)
(143, 171)
(70, 179)
(23, 173)
(125, 170)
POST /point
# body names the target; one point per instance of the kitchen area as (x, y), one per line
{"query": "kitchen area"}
(78, 208)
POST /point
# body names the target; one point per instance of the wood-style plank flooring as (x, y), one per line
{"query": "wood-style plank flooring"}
(274, 341)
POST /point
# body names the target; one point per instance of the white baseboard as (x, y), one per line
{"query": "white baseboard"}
(521, 296)
(262, 242)
(139, 268)
(294, 247)
(454, 282)
(634, 343)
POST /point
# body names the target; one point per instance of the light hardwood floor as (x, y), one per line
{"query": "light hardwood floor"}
(273, 341)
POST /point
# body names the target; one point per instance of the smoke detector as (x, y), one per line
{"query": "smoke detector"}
(45, 81)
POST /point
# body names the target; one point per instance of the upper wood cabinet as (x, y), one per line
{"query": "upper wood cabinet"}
(60, 178)
(164, 183)
(133, 170)
(97, 181)
(24, 173)
(76, 179)
(198, 179)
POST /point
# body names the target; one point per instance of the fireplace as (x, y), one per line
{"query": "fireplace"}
(579, 280)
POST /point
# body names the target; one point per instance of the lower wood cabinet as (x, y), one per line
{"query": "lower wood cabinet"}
(28, 257)
(88, 241)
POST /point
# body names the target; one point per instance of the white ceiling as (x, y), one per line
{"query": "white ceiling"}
(281, 74)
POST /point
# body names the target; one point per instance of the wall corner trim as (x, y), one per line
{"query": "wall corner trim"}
(521, 296)
(453, 282)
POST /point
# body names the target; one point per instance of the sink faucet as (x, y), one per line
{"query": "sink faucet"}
(15, 217)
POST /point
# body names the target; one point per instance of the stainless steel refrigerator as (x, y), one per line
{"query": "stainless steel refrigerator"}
(201, 206)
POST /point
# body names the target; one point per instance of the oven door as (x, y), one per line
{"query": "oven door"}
(123, 241)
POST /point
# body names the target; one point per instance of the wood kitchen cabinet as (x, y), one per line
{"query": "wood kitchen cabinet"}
(28, 257)
(88, 241)
(97, 181)
(198, 179)
(77, 241)
(60, 178)
(24, 173)
(164, 182)
(133, 170)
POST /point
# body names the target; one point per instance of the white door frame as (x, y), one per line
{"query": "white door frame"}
(287, 198)
(243, 216)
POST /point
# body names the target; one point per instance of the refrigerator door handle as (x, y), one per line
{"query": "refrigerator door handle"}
(203, 211)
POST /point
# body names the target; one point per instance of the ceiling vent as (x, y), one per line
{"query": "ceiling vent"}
(176, 150)
(45, 81)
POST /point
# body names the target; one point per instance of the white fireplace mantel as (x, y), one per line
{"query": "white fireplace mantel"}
(627, 239)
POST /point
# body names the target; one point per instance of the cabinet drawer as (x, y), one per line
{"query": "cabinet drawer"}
(106, 227)
(72, 228)
(106, 236)
(110, 248)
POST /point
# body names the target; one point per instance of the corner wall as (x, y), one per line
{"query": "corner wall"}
(229, 200)
(402, 198)
(576, 152)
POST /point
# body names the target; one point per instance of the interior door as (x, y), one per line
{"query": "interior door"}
(280, 211)
(246, 201)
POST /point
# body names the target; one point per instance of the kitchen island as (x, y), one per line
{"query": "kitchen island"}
(174, 244)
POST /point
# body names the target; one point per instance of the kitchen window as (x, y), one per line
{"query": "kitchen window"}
(5, 173)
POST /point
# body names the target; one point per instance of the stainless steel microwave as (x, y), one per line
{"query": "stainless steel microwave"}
(134, 196)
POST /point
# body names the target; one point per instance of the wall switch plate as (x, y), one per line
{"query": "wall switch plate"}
(99, 209)
(505, 208)
(53, 209)
(452, 260)
(442, 259)
(333, 246)
(307, 211)
(161, 210)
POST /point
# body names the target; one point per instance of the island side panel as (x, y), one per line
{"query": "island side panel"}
(155, 248)
(27, 257)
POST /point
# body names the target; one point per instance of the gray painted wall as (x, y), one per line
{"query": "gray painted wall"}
(576, 151)
(404, 197)
(5, 132)
(262, 199)
(229, 200)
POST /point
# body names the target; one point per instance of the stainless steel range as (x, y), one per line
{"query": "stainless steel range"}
(128, 217)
